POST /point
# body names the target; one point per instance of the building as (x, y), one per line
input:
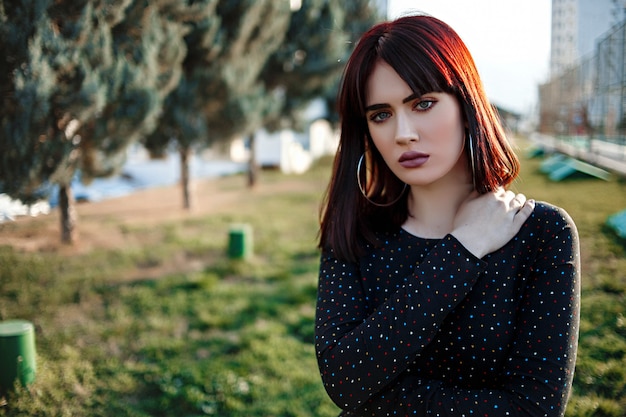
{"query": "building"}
(576, 26)
(586, 93)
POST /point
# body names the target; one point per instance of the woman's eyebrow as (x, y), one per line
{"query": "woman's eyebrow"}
(411, 97)
(377, 106)
(386, 105)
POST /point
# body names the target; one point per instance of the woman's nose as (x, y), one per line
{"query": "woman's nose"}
(406, 131)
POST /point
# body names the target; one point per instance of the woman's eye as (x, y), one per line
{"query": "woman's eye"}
(424, 105)
(379, 117)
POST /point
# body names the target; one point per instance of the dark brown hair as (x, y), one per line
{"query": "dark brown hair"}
(430, 57)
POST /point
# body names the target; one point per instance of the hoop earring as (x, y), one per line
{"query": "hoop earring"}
(471, 151)
(358, 179)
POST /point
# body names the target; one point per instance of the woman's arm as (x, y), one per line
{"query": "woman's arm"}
(361, 350)
(538, 374)
(365, 349)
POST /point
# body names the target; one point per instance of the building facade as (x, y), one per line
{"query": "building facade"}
(576, 26)
(586, 93)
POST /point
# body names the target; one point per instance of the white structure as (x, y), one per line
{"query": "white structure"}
(10, 208)
(289, 151)
(576, 26)
(284, 149)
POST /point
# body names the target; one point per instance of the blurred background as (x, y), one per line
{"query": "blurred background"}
(97, 115)
(553, 69)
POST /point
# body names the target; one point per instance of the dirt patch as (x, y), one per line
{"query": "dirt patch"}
(101, 224)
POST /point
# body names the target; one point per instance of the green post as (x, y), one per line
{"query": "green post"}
(240, 241)
(17, 353)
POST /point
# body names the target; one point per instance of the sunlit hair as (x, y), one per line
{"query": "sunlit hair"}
(430, 57)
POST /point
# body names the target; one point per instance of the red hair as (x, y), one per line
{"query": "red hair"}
(430, 57)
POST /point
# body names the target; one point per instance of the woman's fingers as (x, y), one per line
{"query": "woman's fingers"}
(487, 222)
(518, 200)
(524, 212)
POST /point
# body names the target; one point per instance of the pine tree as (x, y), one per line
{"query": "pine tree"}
(309, 62)
(309, 59)
(50, 89)
(148, 50)
(360, 16)
(92, 82)
(219, 90)
(182, 120)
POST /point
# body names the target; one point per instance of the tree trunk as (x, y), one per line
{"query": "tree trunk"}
(69, 217)
(185, 152)
(253, 168)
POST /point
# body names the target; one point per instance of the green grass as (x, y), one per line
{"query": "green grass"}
(235, 338)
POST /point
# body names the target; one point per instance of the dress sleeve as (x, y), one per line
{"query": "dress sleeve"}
(539, 371)
(361, 350)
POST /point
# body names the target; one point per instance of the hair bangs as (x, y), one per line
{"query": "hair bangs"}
(422, 70)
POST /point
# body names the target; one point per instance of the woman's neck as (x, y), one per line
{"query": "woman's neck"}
(432, 209)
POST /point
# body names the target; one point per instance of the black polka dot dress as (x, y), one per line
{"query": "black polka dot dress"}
(421, 327)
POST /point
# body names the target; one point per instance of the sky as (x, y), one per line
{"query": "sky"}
(509, 40)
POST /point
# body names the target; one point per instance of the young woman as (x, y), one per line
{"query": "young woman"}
(440, 292)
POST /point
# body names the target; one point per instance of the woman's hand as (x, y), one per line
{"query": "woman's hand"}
(484, 223)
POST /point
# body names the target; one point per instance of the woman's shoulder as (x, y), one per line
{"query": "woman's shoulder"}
(550, 217)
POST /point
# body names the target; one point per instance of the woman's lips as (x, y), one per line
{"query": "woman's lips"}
(413, 159)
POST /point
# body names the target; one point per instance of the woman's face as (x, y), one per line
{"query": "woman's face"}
(421, 138)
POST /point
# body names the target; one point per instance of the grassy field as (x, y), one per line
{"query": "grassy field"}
(233, 338)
